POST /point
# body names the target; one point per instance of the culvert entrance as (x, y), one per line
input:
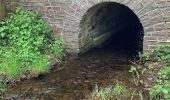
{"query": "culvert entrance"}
(107, 25)
(111, 25)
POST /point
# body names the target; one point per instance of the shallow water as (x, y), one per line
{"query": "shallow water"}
(77, 79)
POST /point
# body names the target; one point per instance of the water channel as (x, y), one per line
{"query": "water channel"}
(76, 78)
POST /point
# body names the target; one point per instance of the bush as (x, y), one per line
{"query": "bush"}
(26, 44)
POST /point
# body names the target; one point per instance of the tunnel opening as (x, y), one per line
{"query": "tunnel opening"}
(111, 25)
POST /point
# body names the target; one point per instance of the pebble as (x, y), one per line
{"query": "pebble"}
(75, 91)
(83, 73)
(87, 81)
(77, 77)
(77, 82)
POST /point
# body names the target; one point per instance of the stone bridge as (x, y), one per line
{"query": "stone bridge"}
(86, 24)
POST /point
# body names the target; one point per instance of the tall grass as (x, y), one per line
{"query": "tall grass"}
(117, 91)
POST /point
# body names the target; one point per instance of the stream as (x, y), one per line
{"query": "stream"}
(76, 78)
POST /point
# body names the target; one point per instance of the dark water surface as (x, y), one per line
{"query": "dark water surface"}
(77, 79)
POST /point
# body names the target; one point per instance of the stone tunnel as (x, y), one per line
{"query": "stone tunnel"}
(113, 24)
(136, 25)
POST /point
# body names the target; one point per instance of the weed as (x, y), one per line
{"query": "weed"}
(26, 42)
(161, 87)
(108, 93)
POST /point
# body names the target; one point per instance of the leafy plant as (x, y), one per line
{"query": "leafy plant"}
(41, 64)
(137, 72)
(102, 93)
(26, 44)
(161, 88)
(161, 52)
(109, 92)
(57, 48)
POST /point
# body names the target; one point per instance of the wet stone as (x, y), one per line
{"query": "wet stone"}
(87, 81)
(84, 73)
(77, 82)
(78, 77)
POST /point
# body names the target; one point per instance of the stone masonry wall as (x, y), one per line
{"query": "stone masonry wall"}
(64, 16)
(2, 9)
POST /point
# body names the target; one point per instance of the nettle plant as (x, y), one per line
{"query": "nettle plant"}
(161, 88)
(26, 43)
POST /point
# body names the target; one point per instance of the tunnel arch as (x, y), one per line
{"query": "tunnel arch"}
(64, 17)
(111, 23)
(153, 15)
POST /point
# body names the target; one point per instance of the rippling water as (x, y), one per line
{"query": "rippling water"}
(77, 79)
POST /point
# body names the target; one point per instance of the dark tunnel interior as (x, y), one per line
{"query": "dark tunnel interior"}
(114, 26)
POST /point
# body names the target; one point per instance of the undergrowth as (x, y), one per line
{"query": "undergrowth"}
(26, 43)
(109, 92)
(115, 92)
(153, 67)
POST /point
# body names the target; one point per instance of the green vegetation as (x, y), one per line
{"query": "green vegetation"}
(109, 92)
(156, 64)
(116, 92)
(26, 44)
(161, 88)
